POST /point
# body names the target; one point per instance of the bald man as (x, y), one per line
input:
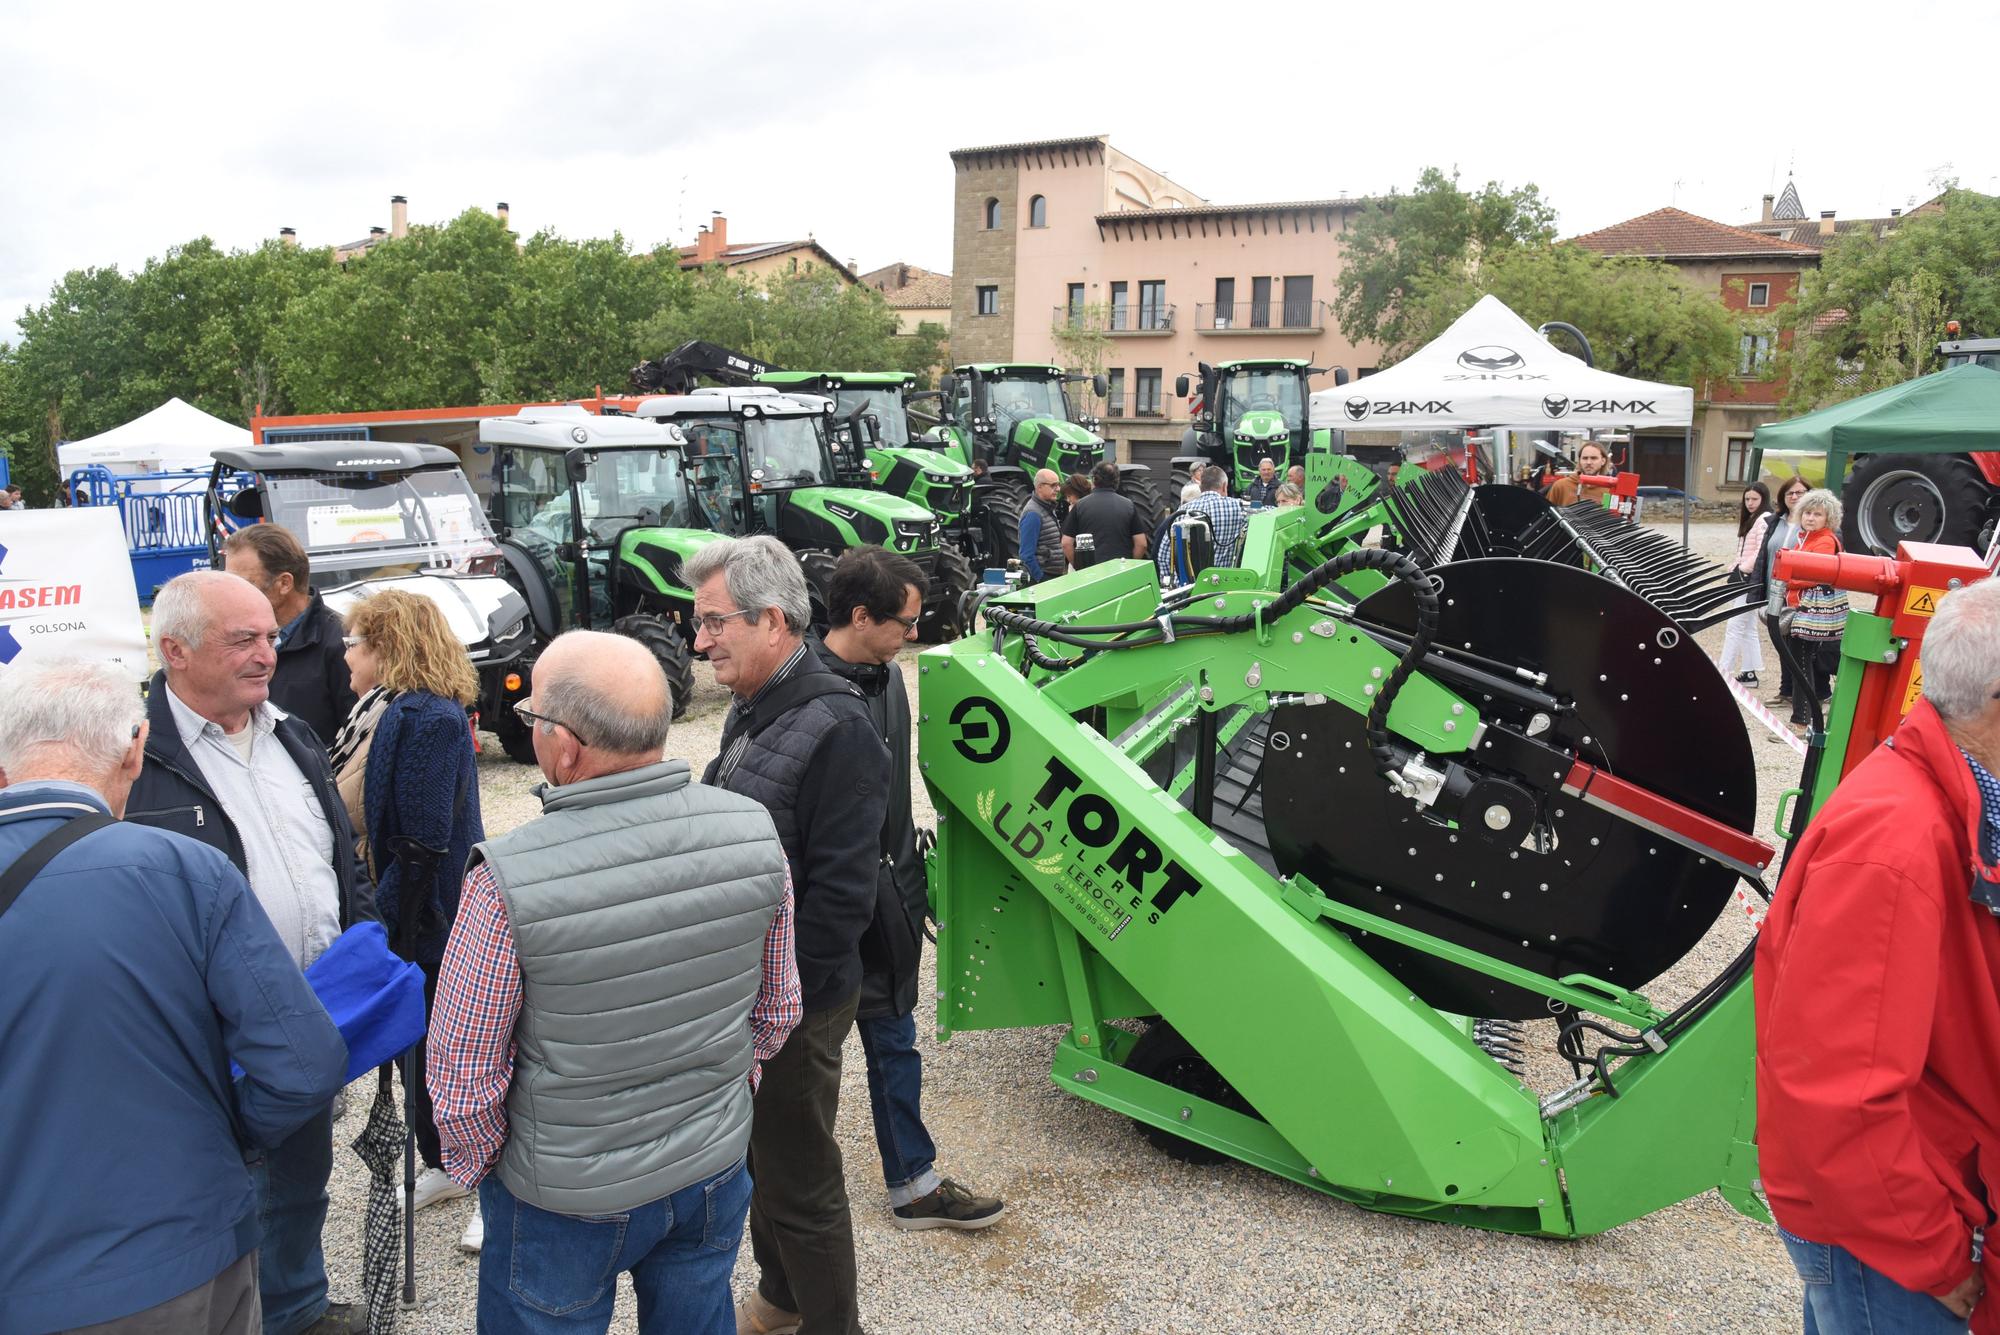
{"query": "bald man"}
(620, 968)
(1041, 530)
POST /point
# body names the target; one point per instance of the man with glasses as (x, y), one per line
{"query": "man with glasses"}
(798, 739)
(1041, 545)
(873, 601)
(225, 766)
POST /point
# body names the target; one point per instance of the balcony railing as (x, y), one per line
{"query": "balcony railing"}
(1116, 319)
(1275, 316)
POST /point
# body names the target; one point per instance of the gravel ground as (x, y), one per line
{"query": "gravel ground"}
(1105, 1234)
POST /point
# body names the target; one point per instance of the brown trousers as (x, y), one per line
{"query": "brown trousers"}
(226, 1305)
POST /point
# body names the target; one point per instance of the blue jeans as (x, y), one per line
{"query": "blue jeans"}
(1845, 1297)
(895, 1098)
(291, 1207)
(541, 1272)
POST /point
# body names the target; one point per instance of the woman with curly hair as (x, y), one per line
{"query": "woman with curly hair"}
(1818, 615)
(406, 770)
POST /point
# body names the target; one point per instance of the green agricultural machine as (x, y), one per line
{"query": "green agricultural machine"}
(1246, 411)
(760, 461)
(1310, 857)
(596, 518)
(1011, 420)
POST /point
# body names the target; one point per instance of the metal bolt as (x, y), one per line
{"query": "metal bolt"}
(1220, 602)
(1186, 1113)
(1449, 726)
(1388, 1181)
(1498, 817)
(924, 764)
(1298, 637)
(1312, 1172)
(923, 718)
(1087, 1076)
(1458, 709)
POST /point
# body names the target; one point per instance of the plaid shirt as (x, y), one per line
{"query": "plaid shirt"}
(1228, 519)
(471, 1061)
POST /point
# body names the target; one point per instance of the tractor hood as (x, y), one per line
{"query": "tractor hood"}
(929, 461)
(657, 555)
(484, 611)
(1264, 424)
(1063, 433)
(889, 509)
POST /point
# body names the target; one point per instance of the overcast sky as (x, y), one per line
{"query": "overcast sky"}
(129, 128)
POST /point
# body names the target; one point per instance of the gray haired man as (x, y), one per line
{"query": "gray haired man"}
(800, 741)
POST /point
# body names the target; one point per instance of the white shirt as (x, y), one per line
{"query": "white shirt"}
(287, 842)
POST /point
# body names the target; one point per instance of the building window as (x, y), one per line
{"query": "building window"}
(1225, 303)
(1736, 467)
(1119, 313)
(1298, 302)
(1760, 294)
(989, 301)
(1753, 354)
(1153, 304)
(1038, 212)
(1114, 400)
(1260, 303)
(1074, 306)
(992, 214)
(1146, 402)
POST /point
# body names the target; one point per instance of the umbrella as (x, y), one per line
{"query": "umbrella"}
(377, 1144)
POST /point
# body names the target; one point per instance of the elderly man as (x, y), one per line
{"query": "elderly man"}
(311, 682)
(1878, 1010)
(226, 767)
(1264, 491)
(1296, 475)
(799, 740)
(1227, 519)
(137, 966)
(618, 968)
(1040, 537)
(873, 601)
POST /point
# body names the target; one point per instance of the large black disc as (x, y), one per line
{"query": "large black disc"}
(1610, 899)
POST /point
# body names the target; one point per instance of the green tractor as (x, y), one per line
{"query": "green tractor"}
(1246, 411)
(1012, 419)
(595, 520)
(761, 461)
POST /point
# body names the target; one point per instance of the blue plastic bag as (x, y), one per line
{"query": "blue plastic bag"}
(375, 998)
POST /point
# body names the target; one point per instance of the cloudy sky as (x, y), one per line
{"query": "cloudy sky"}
(129, 128)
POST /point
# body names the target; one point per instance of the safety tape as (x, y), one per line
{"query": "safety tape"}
(1779, 727)
(1753, 907)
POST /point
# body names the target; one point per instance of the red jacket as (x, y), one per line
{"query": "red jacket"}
(1820, 540)
(1878, 1023)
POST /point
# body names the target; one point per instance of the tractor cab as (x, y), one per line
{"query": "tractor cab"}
(1247, 411)
(873, 446)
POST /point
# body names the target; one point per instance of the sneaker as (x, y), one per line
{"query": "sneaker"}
(1777, 700)
(758, 1315)
(1746, 678)
(341, 1319)
(340, 1105)
(474, 1236)
(950, 1206)
(434, 1185)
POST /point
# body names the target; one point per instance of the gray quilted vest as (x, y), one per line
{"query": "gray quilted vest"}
(639, 904)
(1048, 548)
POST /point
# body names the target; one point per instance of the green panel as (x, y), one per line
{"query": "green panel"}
(1867, 640)
(682, 542)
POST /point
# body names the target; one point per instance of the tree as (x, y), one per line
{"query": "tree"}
(1081, 343)
(1398, 244)
(1641, 318)
(1872, 313)
(573, 318)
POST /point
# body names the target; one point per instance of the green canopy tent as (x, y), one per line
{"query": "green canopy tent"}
(1915, 482)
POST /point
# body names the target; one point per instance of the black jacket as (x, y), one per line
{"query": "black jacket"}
(892, 949)
(311, 682)
(171, 793)
(821, 770)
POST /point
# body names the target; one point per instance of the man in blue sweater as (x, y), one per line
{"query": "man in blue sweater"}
(138, 965)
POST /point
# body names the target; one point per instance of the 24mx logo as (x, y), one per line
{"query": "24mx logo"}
(1553, 406)
(1358, 409)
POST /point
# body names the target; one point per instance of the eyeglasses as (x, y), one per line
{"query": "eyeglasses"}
(713, 622)
(907, 623)
(352, 640)
(522, 710)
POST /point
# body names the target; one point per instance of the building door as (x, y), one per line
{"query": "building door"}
(1119, 313)
(1298, 302)
(1260, 303)
(1225, 303)
(1659, 461)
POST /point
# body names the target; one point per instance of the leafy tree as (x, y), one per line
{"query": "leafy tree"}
(1081, 343)
(1872, 313)
(1641, 318)
(1398, 244)
(572, 320)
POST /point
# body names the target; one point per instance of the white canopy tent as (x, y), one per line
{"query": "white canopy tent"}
(175, 435)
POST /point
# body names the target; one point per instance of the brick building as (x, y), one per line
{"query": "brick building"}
(758, 259)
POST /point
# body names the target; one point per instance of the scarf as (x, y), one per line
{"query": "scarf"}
(360, 726)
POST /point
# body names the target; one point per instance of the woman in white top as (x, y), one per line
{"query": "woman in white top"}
(1741, 655)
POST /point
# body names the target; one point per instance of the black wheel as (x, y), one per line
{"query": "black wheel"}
(670, 649)
(517, 736)
(1139, 488)
(1003, 526)
(818, 569)
(941, 619)
(1162, 1054)
(1177, 481)
(1895, 498)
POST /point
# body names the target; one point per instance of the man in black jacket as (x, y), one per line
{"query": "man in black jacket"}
(799, 740)
(311, 682)
(227, 768)
(873, 601)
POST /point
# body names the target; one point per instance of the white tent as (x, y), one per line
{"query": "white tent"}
(1491, 369)
(174, 435)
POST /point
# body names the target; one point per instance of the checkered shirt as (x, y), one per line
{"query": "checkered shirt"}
(471, 1061)
(1228, 518)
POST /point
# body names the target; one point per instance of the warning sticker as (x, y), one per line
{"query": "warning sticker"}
(1921, 602)
(1915, 689)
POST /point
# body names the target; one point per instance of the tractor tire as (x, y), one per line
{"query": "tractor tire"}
(1177, 482)
(944, 623)
(517, 736)
(670, 649)
(1896, 498)
(1162, 1054)
(817, 566)
(1003, 526)
(1144, 493)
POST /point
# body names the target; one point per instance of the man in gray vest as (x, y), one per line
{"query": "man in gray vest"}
(619, 968)
(799, 740)
(1040, 541)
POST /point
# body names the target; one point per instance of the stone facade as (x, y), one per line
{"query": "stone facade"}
(983, 256)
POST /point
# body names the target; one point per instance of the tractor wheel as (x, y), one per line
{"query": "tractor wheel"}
(1162, 1054)
(1177, 482)
(955, 573)
(1895, 498)
(670, 649)
(818, 569)
(1144, 493)
(1003, 526)
(517, 736)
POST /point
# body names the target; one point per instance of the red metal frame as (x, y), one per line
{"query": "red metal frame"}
(398, 416)
(1726, 844)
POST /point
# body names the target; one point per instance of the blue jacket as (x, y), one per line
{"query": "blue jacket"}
(137, 965)
(423, 783)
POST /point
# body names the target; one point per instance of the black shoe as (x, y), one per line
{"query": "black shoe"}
(1747, 678)
(341, 1319)
(950, 1206)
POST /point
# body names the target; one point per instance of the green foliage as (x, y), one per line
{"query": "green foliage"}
(1081, 347)
(1399, 245)
(1884, 300)
(1641, 318)
(812, 320)
(572, 320)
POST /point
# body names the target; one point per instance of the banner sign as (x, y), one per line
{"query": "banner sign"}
(66, 589)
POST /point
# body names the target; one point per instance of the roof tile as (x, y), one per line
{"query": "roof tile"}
(1677, 234)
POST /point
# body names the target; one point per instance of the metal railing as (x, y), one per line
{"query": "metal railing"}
(1277, 313)
(1116, 319)
(162, 515)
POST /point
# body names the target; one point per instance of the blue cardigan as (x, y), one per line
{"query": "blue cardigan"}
(423, 782)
